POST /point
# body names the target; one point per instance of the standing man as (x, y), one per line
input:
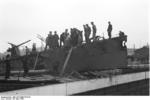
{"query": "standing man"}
(88, 33)
(94, 30)
(25, 66)
(7, 71)
(49, 40)
(85, 32)
(34, 47)
(27, 50)
(80, 37)
(63, 37)
(109, 29)
(56, 38)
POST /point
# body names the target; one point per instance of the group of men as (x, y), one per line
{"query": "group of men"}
(52, 40)
(73, 39)
(87, 32)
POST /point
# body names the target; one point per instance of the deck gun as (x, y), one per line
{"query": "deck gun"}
(14, 48)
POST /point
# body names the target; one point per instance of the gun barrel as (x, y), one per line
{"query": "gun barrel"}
(23, 43)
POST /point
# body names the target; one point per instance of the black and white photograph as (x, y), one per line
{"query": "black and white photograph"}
(74, 48)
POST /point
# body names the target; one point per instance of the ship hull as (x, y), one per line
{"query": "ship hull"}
(98, 55)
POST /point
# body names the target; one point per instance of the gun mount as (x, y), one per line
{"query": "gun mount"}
(15, 50)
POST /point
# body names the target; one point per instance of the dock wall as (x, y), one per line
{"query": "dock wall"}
(71, 88)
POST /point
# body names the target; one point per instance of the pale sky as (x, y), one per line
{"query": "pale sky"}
(21, 20)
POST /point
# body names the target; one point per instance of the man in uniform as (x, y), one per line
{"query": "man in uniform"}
(25, 66)
(34, 47)
(94, 30)
(74, 36)
(80, 37)
(109, 29)
(55, 39)
(85, 32)
(49, 40)
(7, 71)
(88, 33)
(123, 38)
(63, 37)
(27, 50)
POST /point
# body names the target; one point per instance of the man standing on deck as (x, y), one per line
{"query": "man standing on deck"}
(94, 30)
(88, 33)
(63, 37)
(49, 40)
(55, 39)
(85, 32)
(109, 29)
(7, 71)
(25, 66)
(34, 47)
(27, 50)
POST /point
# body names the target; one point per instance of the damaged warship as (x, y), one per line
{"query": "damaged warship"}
(99, 55)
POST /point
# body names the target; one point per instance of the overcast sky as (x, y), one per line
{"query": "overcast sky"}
(21, 20)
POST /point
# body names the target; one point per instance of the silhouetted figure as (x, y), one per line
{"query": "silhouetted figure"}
(94, 30)
(84, 29)
(25, 66)
(7, 71)
(55, 39)
(27, 50)
(121, 33)
(34, 47)
(88, 32)
(123, 39)
(49, 39)
(85, 33)
(67, 42)
(80, 37)
(63, 37)
(74, 36)
(109, 29)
